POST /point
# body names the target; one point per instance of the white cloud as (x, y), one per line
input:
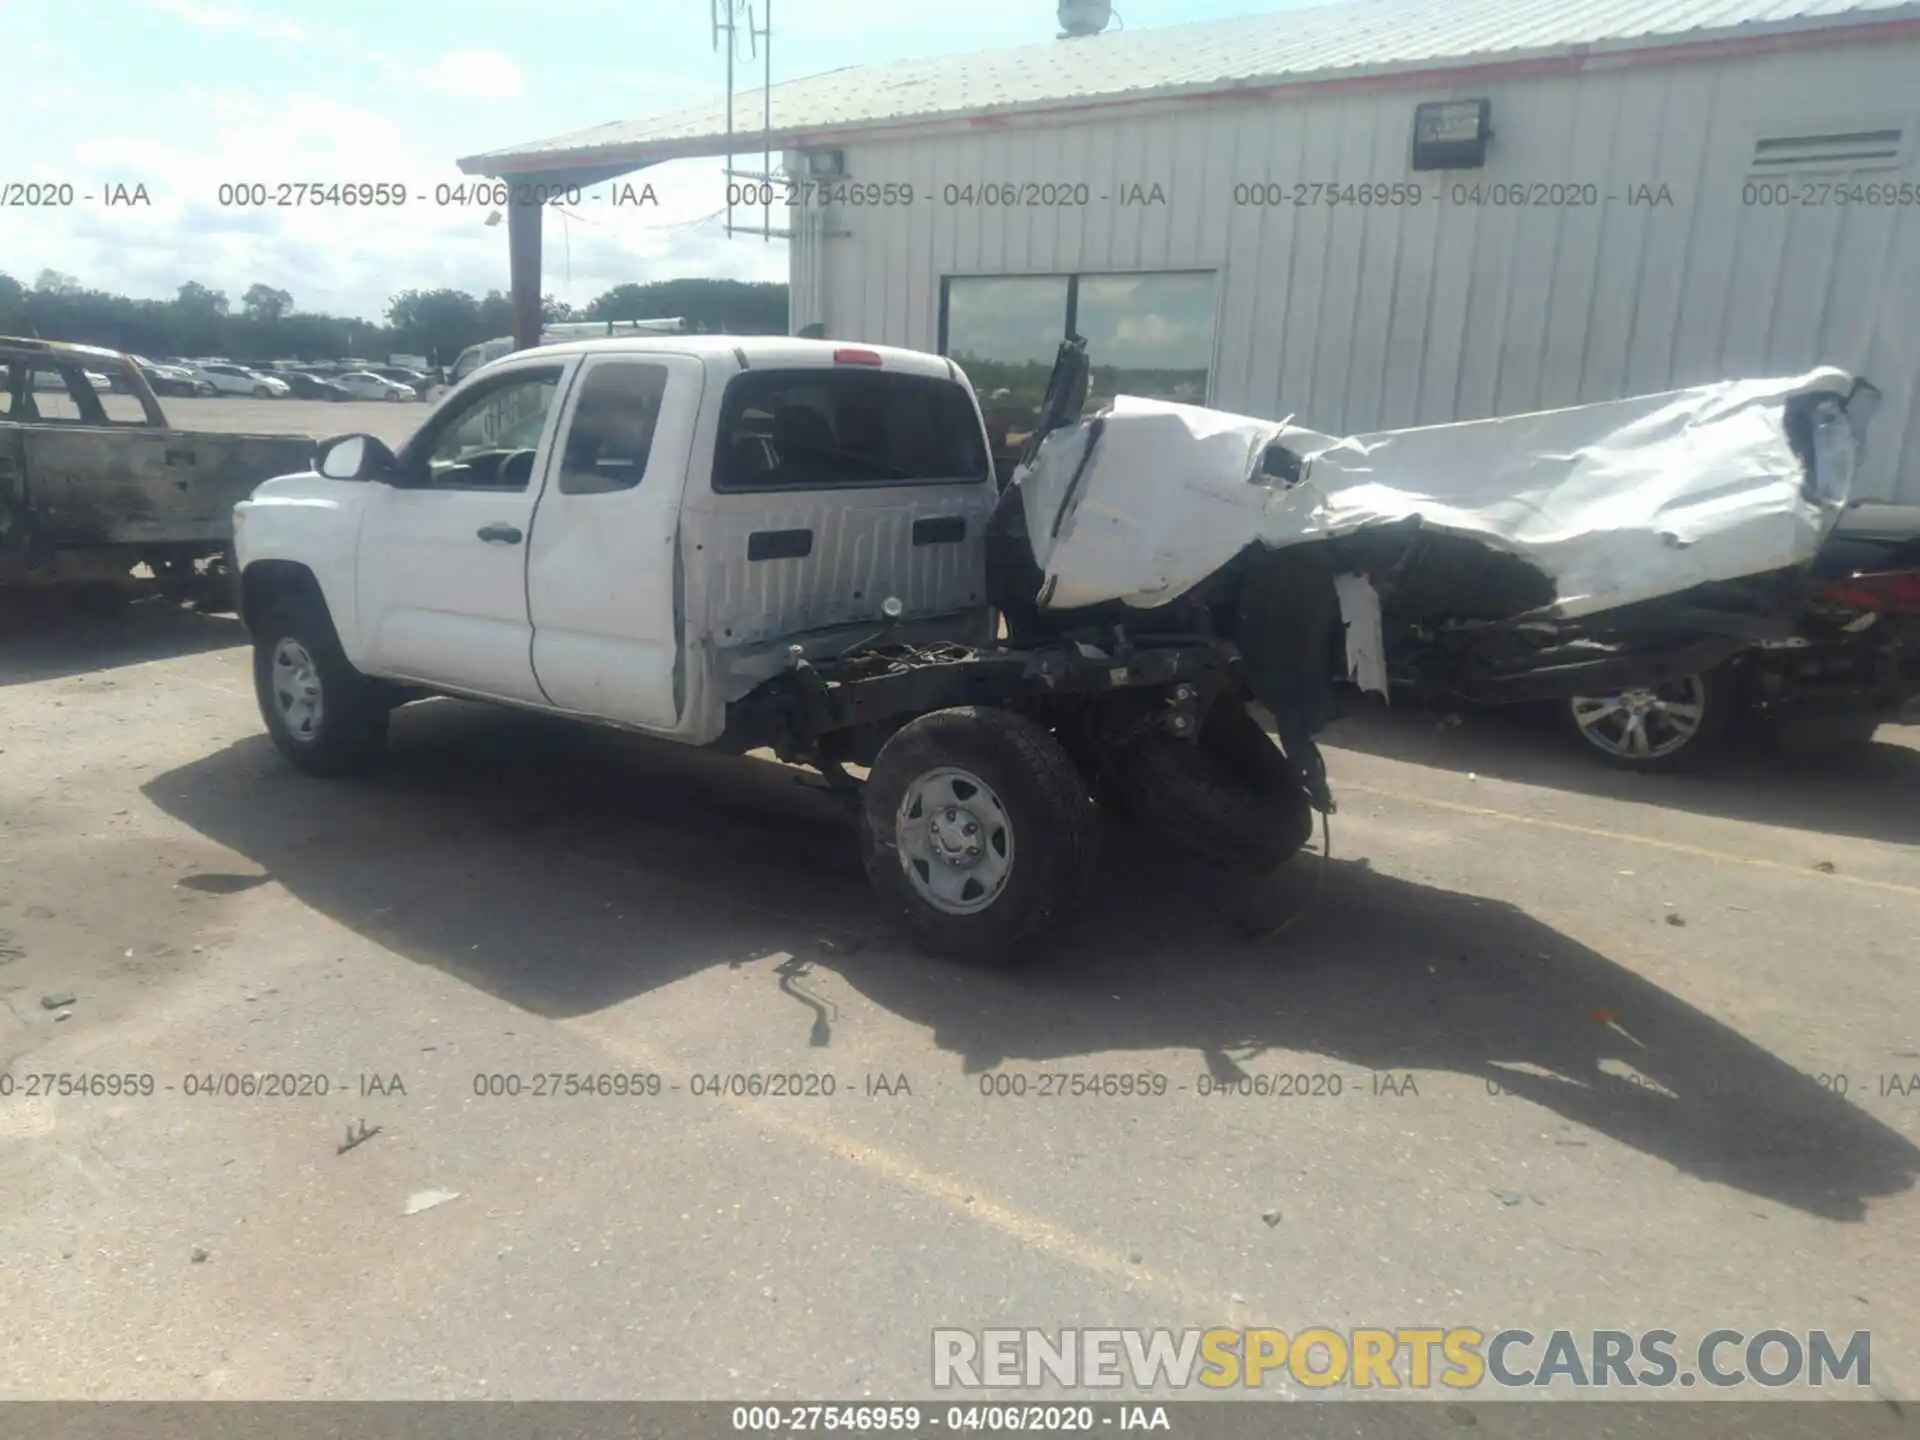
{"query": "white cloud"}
(475, 74)
(213, 15)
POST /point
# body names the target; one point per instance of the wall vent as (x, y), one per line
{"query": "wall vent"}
(1836, 148)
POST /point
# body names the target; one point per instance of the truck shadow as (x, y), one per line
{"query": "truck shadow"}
(45, 636)
(566, 870)
(1866, 794)
(1332, 959)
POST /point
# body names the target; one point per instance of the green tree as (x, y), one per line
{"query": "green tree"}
(436, 323)
(199, 320)
(13, 305)
(730, 306)
(263, 302)
(196, 298)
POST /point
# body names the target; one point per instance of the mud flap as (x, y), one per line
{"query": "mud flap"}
(1286, 623)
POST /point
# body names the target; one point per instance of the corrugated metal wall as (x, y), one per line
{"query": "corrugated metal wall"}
(1358, 318)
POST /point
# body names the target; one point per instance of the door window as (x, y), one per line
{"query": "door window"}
(488, 443)
(612, 429)
(820, 429)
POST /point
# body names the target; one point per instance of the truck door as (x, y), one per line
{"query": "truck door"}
(442, 582)
(603, 577)
(836, 486)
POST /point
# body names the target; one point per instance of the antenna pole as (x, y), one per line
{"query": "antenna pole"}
(766, 122)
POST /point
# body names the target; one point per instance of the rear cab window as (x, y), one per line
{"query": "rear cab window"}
(818, 428)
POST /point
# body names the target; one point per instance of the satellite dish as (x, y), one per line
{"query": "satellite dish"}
(1084, 17)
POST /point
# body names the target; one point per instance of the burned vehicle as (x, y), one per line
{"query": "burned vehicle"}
(87, 498)
(746, 543)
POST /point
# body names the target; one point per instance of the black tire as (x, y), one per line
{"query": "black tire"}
(206, 387)
(1231, 797)
(1718, 695)
(1052, 833)
(352, 726)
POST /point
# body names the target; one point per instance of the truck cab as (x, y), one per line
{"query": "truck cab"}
(639, 530)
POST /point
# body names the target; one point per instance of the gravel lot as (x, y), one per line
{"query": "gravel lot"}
(1661, 977)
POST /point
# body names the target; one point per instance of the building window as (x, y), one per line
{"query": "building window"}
(1149, 335)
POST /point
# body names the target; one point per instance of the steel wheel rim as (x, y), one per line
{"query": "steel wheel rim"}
(1643, 724)
(296, 690)
(955, 841)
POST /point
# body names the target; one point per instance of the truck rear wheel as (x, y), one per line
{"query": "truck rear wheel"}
(324, 716)
(979, 834)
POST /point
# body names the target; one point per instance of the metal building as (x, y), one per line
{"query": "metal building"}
(1270, 213)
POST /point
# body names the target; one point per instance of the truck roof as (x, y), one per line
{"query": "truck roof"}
(758, 350)
(24, 348)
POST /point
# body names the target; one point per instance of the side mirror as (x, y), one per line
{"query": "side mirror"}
(353, 457)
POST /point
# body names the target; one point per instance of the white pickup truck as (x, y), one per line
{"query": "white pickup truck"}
(797, 545)
(721, 541)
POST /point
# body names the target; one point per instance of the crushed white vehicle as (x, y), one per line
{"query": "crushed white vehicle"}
(1522, 557)
(1612, 503)
(762, 542)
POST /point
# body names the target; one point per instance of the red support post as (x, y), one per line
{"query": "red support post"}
(523, 257)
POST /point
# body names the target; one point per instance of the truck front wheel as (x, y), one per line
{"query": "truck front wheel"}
(324, 716)
(979, 834)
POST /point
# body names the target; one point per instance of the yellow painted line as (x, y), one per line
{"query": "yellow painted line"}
(963, 1199)
(1677, 847)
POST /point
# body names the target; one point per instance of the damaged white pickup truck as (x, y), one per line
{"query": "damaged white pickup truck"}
(749, 543)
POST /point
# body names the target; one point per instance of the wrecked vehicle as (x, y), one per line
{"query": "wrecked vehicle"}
(85, 498)
(1630, 546)
(797, 545)
(1850, 664)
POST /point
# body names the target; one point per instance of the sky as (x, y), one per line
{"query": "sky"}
(182, 97)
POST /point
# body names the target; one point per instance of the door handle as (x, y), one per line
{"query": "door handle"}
(499, 534)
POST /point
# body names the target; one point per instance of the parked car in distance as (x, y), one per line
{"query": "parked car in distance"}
(417, 381)
(162, 378)
(50, 380)
(226, 378)
(308, 386)
(366, 385)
